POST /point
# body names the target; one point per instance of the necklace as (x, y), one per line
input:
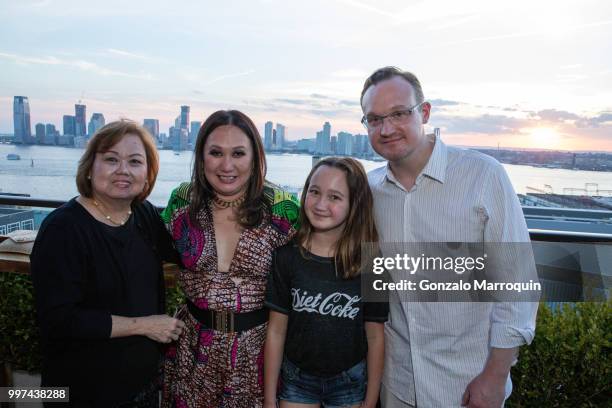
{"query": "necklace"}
(221, 203)
(108, 217)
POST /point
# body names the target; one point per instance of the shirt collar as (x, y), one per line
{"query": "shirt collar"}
(435, 167)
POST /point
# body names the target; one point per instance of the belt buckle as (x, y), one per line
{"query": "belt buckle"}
(224, 321)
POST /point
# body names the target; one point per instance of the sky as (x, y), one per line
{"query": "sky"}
(522, 74)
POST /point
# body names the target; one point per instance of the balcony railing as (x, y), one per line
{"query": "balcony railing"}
(572, 248)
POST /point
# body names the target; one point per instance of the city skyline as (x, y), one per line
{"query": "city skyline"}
(514, 74)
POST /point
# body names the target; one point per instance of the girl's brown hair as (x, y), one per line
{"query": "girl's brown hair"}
(359, 227)
(250, 213)
(101, 142)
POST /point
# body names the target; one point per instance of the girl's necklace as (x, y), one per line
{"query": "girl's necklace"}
(109, 218)
(221, 203)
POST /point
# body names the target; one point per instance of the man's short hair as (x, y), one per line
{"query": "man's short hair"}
(382, 74)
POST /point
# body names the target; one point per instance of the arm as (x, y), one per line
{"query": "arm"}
(488, 388)
(59, 266)
(375, 361)
(275, 343)
(512, 322)
(160, 328)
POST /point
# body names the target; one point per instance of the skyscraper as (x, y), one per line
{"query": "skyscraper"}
(324, 140)
(21, 120)
(184, 124)
(40, 133)
(80, 121)
(67, 139)
(51, 135)
(268, 135)
(152, 125)
(358, 143)
(95, 123)
(69, 125)
(193, 133)
(280, 136)
(345, 144)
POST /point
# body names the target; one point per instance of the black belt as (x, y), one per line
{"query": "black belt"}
(227, 321)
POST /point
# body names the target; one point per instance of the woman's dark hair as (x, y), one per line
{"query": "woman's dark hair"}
(359, 228)
(250, 213)
(101, 142)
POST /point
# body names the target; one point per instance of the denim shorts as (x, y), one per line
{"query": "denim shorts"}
(342, 390)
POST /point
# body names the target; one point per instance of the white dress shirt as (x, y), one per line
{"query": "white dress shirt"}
(434, 349)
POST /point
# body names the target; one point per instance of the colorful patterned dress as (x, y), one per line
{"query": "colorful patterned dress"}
(205, 367)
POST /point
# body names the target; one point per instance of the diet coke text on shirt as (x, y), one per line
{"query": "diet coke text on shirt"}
(336, 304)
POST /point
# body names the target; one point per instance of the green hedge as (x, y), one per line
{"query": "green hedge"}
(569, 363)
(19, 341)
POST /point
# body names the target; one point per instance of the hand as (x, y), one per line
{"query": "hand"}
(365, 404)
(270, 404)
(485, 391)
(161, 328)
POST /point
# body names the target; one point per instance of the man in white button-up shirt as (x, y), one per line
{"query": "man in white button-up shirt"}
(441, 354)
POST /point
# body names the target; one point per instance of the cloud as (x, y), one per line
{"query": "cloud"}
(127, 54)
(443, 102)
(595, 122)
(318, 96)
(294, 101)
(485, 124)
(237, 74)
(553, 115)
(80, 64)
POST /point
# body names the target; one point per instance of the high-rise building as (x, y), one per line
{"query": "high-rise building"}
(51, 135)
(80, 121)
(333, 144)
(152, 126)
(69, 125)
(49, 128)
(306, 145)
(345, 144)
(95, 123)
(280, 136)
(40, 133)
(358, 143)
(21, 120)
(324, 140)
(367, 148)
(193, 133)
(319, 144)
(184, 123)
(178, 138)
(268, 135)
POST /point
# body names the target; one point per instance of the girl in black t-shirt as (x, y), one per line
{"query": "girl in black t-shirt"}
(326, 343)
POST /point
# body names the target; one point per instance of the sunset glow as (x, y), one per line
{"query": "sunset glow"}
(543, 138)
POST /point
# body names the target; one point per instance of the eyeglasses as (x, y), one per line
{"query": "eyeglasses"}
(398, 117)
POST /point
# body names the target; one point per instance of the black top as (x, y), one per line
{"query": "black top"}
(85, 271)
(326, 331)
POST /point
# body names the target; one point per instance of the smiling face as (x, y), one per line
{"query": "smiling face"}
(121, 172)
(228, 161)
(327, 200)
(395, 142)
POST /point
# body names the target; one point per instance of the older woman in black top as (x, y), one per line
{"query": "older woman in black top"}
(98, 279)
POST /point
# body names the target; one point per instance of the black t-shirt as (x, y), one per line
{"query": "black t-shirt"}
(326, 330)
(85, 271)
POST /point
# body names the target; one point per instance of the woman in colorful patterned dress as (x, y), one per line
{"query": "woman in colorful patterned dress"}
(225, 224)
